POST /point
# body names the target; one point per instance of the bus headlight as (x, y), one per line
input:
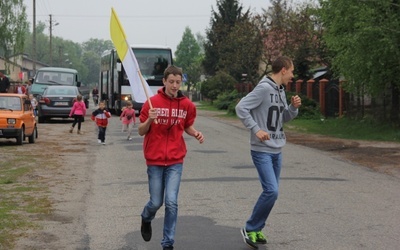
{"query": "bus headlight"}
(127, 98)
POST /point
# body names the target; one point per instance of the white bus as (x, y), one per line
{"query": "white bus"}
(114, 86)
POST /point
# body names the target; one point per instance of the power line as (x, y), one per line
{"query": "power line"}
(134, 17)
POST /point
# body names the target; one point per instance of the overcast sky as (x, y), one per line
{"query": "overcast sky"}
(145, 21)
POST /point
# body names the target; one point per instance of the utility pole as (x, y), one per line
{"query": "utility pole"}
(51, 35)
(51, 38)
(34, 38)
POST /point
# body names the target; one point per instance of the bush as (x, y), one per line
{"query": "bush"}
(218, 84)
(224, 100)
(309, 108)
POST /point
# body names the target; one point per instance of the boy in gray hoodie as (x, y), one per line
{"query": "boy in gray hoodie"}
(263, 111)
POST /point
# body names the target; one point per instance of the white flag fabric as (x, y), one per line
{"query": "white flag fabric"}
(139, 86)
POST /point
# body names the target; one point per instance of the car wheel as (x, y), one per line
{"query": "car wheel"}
(33, 136)
(20, 138)
(42, 119)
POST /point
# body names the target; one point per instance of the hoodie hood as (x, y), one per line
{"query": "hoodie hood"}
(162, 92)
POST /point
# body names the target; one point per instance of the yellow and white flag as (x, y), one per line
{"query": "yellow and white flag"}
(140, 88)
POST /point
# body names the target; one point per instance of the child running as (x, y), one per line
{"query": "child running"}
(128, 119)
(34, 104)
(78, 111)
(100, 116)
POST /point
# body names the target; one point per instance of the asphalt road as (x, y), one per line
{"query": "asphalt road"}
(99, 193)
(324, 203)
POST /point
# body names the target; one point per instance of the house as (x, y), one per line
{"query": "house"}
(19, 68)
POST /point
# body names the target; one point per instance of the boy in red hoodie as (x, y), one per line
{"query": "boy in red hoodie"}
(100, 116)
(164, 150)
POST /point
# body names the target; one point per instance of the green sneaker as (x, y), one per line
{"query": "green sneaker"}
(250, 238)
(260, 238)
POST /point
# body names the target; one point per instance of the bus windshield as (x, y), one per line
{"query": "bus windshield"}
(152, 63)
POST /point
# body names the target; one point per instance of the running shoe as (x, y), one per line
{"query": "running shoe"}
(261, 239)
(145, 229)
(250, 238)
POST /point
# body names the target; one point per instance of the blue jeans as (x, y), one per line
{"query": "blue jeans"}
(102, 133)
(164, 181)
(269, 169)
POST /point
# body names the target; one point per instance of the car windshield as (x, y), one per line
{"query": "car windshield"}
(10, 102)
(60, 92)
(50, 77)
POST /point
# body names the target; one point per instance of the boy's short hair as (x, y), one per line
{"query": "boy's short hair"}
(128, 103)
(171, 69)
(280, 63)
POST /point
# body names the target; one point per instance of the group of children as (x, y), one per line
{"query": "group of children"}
(101, 116)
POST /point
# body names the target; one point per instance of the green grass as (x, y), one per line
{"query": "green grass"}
(346, 129)
(20, 197)
(334, 127)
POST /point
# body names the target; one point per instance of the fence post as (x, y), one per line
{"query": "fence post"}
(341, 96)
(289, 86)
(298, 86)
(310, 84)
(322, 85)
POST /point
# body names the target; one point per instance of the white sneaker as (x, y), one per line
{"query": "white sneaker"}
(99, 141)
(103, 143)
(129, 138)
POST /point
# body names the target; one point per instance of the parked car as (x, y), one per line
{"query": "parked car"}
(57, 102)
(49, 76)
(16, 118)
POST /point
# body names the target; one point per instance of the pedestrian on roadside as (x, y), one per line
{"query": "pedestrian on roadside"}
(4, 83)
(100, 116)
(128, 119)
(20, 89)
(29, 86)
(34, 104)
(164, 150)
(263, 111)
(78, 111)
(95, 95)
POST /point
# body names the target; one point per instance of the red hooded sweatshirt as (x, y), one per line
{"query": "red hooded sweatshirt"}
(164, 144)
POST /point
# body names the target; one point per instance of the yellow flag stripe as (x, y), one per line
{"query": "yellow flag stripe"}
(118, 35)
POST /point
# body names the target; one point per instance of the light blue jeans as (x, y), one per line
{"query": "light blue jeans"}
(269, 169)
(164, 181)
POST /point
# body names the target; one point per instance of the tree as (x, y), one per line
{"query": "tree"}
(242, 54)
(291, 31)
(92, 50)
(187, 57)
(365, 38)
(13, 25)
(222, 22)
(97, 46)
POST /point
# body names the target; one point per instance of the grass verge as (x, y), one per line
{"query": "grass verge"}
(335, 127)
(346, 129)
(21, 196)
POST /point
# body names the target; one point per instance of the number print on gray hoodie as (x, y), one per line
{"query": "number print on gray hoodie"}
(265, 108)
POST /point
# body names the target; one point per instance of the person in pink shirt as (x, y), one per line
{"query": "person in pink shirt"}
(128, 119)
(78, 111)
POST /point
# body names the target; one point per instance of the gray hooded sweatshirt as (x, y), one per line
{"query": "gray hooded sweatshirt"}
(266, 108)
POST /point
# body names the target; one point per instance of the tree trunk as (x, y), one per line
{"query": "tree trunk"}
(394, 112)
